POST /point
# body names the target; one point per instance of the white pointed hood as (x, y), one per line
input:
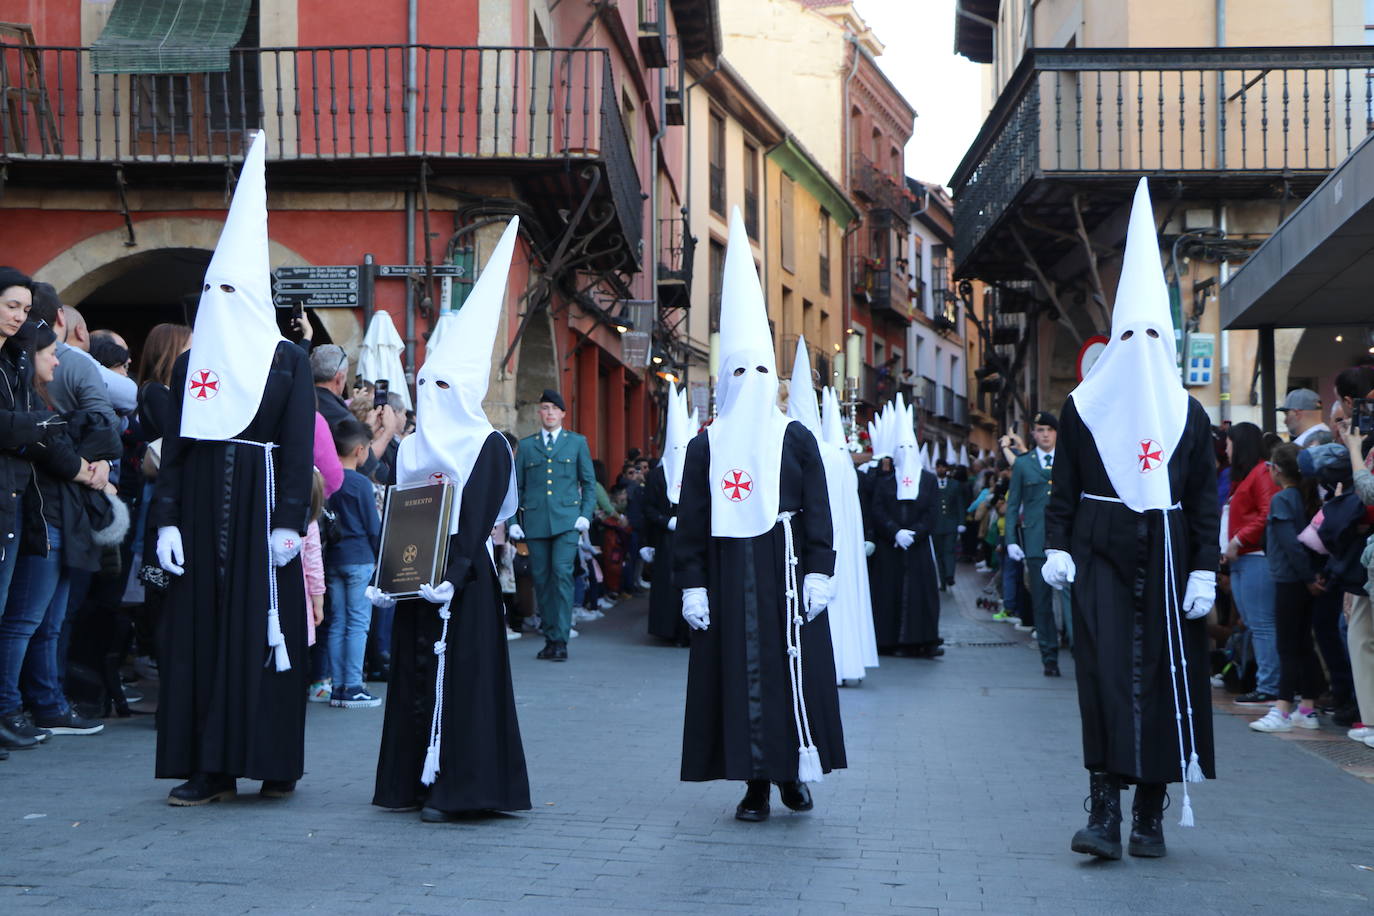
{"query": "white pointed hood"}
(801, 397)
(678, 433)
(450, 425)
(236, 333)
(380, 356)
(963, 456)
(926, 460)
(907, 460)
(1136, 443)
(747, 434)
(832, 421)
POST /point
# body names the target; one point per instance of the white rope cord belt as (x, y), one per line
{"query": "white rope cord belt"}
(275, 640)
(436, 721)
(808, 758)
(1189, 768)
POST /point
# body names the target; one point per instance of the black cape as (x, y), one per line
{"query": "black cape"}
(905, 584)
(481, 758)
(665, 598)
(223, 707)
(739, 722)
(1119, 638)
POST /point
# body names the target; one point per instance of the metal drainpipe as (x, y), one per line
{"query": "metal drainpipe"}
(653, 209)
(686, 228)
(413, 92)
(848, 154)
(1224, 274)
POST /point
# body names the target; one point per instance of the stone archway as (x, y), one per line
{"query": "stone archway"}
(102, 258)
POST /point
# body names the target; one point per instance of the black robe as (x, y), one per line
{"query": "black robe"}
(665, 598)
(223, 706)
(481, 758)
(739, 722)
(905, 584)
(1119, 639)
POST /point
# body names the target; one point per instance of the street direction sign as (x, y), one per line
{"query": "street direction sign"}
(405, 270)
(317, 286)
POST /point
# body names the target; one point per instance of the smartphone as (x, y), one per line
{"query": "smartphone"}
(380, 390)
(298, 310)
(1364, 415)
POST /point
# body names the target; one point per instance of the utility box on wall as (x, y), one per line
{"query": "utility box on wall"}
(1199, 360)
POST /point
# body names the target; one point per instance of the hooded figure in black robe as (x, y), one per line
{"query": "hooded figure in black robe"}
(662, 491)
(230, 509)
(762, 705)
(1132, 525)
(466, 756)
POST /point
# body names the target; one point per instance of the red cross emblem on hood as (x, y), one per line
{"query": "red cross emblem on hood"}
(204, 385)
(1151, 455)
(737, 485)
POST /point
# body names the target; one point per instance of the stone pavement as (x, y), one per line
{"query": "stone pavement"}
(965, 786)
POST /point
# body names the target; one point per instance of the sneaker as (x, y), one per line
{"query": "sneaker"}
(69, 723)
(1369, 742)
(320, 692)
(1218, 681)
(1023, 628)
(605, 604)
(354, 698)
(572, 634)
(981, 567)
(1304, 719)
(1255, 698)
(1273, 721)
(18, 734)
(511, 634)
(1001, 617)
(1360, 732)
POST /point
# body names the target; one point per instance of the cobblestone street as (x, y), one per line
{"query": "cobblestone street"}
(965, 786)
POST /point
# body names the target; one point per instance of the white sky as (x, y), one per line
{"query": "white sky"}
(945, 90)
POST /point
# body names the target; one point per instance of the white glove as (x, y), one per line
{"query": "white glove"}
(646, 554)
(695, 609)
(516, 532)
(963, 528)
(171, 556)
(672, 523)
(1058, 570)
(286, 543)
(581, 524)
(905, 538)
(1200, 594)
(379, 598)
(816, 594)
(869, 547)
(437, 594)
(1016, 553)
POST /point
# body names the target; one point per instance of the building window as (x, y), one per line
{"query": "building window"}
(824, 248)
(717, 278)
(717, 167)
(751, 190)
(877, 148)
(787, 244)
(627, 113)
(896, 167)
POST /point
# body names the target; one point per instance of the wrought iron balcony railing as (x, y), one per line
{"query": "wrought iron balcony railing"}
(929, 394)
(880, 189)
(330, 104)
(1220, 121)
(872, 285)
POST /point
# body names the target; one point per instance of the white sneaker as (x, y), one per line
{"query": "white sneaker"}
(1218, 681)
(320, 692)
(1304, 720)
(511, 634)
(572, 634)
(1022, 628)
(1360, 732)
(980, 567)
(1273, 721)
(605, 604)
(1369, 741)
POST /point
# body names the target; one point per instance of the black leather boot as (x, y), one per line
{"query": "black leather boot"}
(1102, 836)
(754, 805)
(550, 650)
(795, 795)
(201, 789)
(1147, 821)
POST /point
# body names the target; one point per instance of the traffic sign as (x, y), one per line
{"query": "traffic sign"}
(316, 286)
(406, 270)
(1088, 353)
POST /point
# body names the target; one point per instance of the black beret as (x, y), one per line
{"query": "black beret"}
(552, 397)
(1045, 418)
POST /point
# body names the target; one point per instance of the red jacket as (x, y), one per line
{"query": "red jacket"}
(1250, 508)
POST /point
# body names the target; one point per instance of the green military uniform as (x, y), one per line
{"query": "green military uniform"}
(953, 499)
(556, 488)
(1026, 502)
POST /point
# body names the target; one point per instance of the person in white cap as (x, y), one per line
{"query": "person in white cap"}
(230, 511)
(1132, 525)
(451, 740)
(906, 507)
(753, 557)
(662, 490)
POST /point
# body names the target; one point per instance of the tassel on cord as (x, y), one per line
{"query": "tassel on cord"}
(1189, 768)
(1187, 819)
(808, 758)
(436, 722)
(1194, 769)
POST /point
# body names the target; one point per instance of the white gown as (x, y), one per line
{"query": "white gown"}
(851, 610)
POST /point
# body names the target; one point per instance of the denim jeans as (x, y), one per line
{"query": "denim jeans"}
(352, 611)
(29, 632)
(1011, 587)
(1252, 589)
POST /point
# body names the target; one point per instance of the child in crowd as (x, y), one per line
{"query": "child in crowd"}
(349, 564)
(1296, 584)
(312, 567)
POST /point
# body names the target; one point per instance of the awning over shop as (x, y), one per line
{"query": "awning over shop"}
(1318, 266)
(169, 36)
